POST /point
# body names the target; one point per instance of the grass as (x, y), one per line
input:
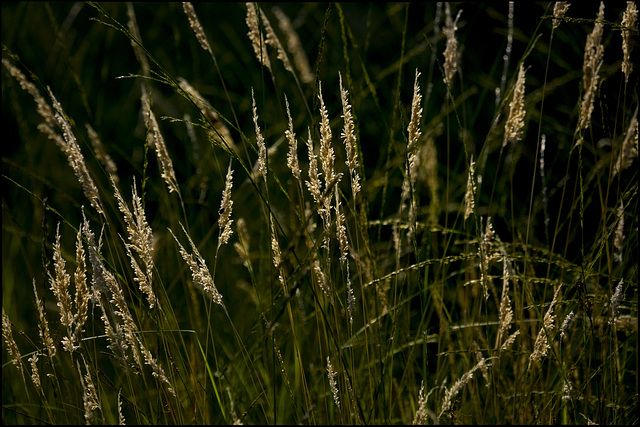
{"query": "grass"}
(472, 277)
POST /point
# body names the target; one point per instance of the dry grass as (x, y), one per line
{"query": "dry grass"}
(365, 214)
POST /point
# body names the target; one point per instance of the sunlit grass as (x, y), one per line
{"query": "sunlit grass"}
(453, 246)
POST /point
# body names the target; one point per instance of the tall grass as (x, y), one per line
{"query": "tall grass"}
(319, 213)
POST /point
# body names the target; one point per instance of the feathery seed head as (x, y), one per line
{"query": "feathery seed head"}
(273, 41)
(560, 8)
(196, 26)
(262, 147)
(224, 221)
(156, 141)
(292, 155)
(314, 185)
(629, 19)
(255, 35)
(593, 53)
(43, 325)
(12, 347)
(515, 121)
(75, 157)
(416, 115)
(327, 156)
(349, 137)
(60, 281)
(333, 383)
(43, 108)
(629, 150)
(471, 189)
(616, 299)
(541, 346)
(199, 271)
(451, 50)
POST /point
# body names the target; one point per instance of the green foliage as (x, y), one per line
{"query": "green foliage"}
(429, 285)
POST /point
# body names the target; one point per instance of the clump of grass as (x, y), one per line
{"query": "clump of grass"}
(361, 214)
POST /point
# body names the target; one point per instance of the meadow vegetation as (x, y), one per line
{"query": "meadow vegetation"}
(319, 213)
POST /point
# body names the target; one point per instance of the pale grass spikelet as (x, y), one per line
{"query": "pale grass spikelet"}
(413, 129)
(471, 189)
(629, 18)
(128, 328)
(121, 420)
(541, 346)
(515, 121)
(255, 35)
(294, 45)
(314, 185)
(351, 297)
(35, 375)
(140, 240)
(505, 310)
(43, 325)
(568, 321)
(89, 396)
(292, 155)
(333, 383)
(451, 49)
(567, 391)
(327, 156)
(53, 136)
(262, 147)
(341, 230)
(421, 411)
(450, 393)
(156, 369)
(59, 282)
(395, 236)
(42, 107)
(616, 299)
(82, 290)
(589, 421)
(485, 253)
(349, 137)
(226, 206)
(75, 157)
(618, 237)
(102, 155)
(275, 247)
(327, 160)
(196, 26)
(273, 41)
(202, 278)
(12, 347)
(99, 287)
(506, 313)
(482, 363)
(509, 341)
(106, 282)
(560, 8)
(412, 162)
(593, 52)
(320, 277)
(156, 141)
(629, 151)
(343, 242)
